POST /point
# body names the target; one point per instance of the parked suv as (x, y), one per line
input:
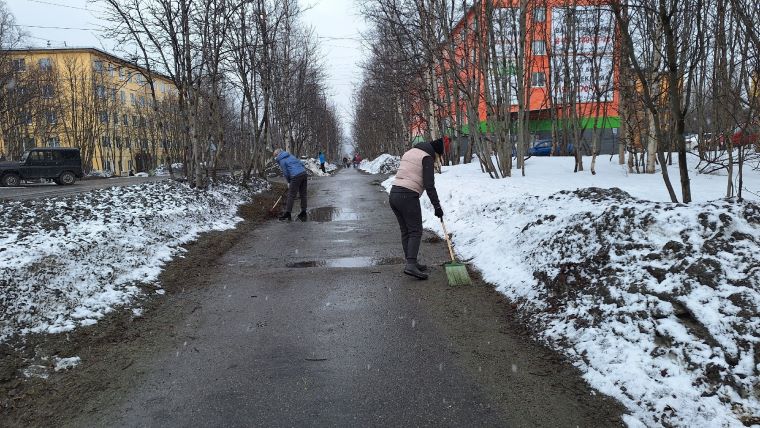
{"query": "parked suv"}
(62, 165)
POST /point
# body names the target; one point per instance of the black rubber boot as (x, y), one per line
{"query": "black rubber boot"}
(284, 217)
(422, 267)
(302, 216)
(411, 269)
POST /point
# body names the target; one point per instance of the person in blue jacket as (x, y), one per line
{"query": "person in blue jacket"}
(322, 161)
(295, 174)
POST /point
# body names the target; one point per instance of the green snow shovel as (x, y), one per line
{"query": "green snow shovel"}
(455, 272)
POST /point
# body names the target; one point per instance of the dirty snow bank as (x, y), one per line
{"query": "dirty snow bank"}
(66, 262)
(313, 166)
(383, 164)
(656, 303)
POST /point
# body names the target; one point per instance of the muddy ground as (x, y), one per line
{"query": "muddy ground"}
(481, 325)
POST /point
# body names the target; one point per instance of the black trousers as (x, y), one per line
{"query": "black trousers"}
(406, 206)
(297, 186)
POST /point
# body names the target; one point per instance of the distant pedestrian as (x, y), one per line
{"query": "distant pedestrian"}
(345, 162)
(297, 178)
(415, 175)
(322, 161)
(357, 160)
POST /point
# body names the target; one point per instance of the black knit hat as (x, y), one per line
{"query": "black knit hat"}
(437, 145)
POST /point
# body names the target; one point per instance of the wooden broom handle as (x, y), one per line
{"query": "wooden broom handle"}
(278, 201)
(448, 241)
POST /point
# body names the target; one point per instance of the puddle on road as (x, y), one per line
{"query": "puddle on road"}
(348, 262)
(332, 214)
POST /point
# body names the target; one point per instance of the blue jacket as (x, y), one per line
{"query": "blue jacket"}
(289, 165)
(321, 158)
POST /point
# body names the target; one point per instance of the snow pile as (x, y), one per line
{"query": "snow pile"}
(657, 303)
(635, 289)
(312, 165)
(100, 174)
(383, 164)
(66, 262)
(66, 363)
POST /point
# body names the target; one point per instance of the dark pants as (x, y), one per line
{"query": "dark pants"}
(322, 167)
(406, 205)
(297, 186)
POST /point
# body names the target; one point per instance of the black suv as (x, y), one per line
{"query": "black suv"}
(62, 165)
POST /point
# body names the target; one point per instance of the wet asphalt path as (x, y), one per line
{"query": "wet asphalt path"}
(314, 324)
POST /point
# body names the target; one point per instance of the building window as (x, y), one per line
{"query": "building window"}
(139, 78)
(135, 121)
(127, 143)
(103, 117)
(45, 64)
(125, 120)
(111, 70)
(538, 47)
(105, 141)
(538, 79)
(19, 64)
(142, 101)
(52, 118)
(122, 97)
(539, 14)
(132, 98)
(53, 142)
(100, 91)
(97, 65)
(144, 144)
(48, 91)
(117, 142)
(25, 118)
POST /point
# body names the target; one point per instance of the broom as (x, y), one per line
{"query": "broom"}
(455, 272)
(271, 211)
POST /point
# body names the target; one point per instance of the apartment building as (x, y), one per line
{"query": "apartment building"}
(85, 98)
(566, 58)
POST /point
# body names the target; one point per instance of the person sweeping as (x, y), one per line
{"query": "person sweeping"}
(297, 178)
(415, 175)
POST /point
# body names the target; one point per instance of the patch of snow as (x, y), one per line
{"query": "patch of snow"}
(67, 262)
(383, 164)
(312, 165)
(36, 370)
(66, 363)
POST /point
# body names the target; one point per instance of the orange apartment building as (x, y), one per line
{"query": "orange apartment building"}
(570, 68)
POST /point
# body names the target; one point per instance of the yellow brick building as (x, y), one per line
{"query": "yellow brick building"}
(90, 99)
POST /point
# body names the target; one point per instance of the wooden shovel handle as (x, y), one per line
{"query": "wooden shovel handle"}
(275, 204)
(448, 241)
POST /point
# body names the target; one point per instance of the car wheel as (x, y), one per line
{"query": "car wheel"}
(11, 180)
(67, 177)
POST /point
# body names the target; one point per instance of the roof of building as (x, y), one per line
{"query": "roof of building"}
(90, 49)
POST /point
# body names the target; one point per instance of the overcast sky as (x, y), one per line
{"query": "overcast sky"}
(336, 22)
